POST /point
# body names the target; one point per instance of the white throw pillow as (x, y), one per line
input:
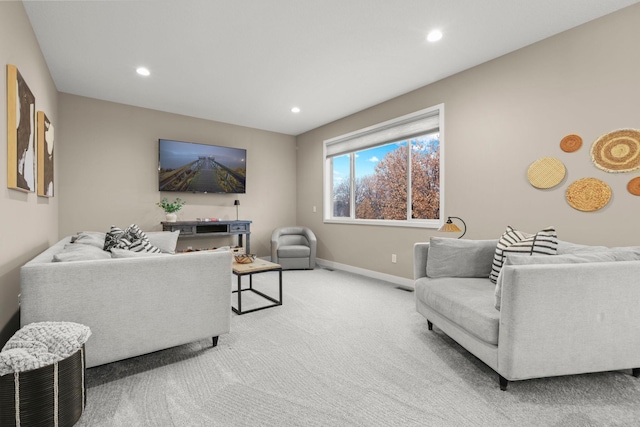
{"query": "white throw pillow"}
(459, 257)
(166, 241)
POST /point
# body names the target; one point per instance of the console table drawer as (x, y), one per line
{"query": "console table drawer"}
(184, 229)
(239, 227)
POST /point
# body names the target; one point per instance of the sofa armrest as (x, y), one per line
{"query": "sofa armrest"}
(568, 319)
(420, 254)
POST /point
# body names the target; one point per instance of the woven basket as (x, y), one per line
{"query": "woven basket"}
(617, 151)
(546, 172)
(53, 395)
(588, 194)
(244, 258)
(634, 186)
(571, 143)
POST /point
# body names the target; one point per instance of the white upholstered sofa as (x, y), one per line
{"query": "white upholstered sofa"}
(133, 305)
(572, 313)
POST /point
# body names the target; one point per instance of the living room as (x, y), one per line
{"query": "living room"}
(500, 117)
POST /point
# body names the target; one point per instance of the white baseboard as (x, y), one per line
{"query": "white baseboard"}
(400, 281)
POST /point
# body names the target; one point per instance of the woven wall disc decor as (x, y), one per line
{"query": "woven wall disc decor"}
(588, 194)
(571, 143)
(546, 172)
(617, 151)
(634, 186)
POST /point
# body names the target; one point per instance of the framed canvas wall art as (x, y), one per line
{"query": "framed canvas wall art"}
(21, 129)
(45, 155)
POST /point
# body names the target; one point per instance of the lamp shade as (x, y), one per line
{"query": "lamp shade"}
(451, 227)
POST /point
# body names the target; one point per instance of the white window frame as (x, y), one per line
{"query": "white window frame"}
(423, 121)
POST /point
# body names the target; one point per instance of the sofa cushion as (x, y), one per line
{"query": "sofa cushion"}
(293, 240)
(466, 302)
(628, 253)
(575, 248)
(79, 252)
(544, 242)
(575, 258)
(93, 238)
(459, 257)
(166, 241)
(294, 251)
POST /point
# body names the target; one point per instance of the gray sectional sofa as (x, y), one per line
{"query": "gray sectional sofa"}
(133, 303)
(571, 313)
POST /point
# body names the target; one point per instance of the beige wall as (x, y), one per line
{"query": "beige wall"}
(499, 118)
(109, 171)
(28, 223)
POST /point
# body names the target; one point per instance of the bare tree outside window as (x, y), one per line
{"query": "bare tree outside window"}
(385, 174)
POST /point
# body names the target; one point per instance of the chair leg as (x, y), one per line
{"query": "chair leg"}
(215, 341)
(503, 382)
(430, 325)
(635, 372)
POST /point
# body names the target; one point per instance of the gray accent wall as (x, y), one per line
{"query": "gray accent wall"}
(500, 117)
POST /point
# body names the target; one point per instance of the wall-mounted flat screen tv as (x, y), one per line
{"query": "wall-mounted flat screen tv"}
(201, 168)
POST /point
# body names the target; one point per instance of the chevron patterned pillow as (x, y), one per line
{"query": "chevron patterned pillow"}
(115, 238)
(132, 239)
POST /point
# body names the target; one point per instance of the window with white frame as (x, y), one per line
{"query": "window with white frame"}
(387, 174)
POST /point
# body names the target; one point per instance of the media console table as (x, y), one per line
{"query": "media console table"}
(212, 229)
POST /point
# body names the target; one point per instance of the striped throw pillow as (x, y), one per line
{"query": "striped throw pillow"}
(139, 242)
(512, 241)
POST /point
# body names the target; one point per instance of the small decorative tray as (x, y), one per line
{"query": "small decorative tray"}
(244, 258)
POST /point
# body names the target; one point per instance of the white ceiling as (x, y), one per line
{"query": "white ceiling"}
(247, 62)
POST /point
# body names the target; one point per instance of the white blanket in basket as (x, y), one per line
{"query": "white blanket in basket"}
(41, 344)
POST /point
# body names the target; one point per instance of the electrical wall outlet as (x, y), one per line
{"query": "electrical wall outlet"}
(394, 259)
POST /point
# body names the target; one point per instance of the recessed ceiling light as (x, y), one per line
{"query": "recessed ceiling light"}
(295, 110)
(434, 36)
(143, 71)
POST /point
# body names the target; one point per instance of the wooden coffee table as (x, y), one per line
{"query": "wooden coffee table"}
(255, 267)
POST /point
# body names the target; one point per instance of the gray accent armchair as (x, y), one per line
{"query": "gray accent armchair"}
(294, 248)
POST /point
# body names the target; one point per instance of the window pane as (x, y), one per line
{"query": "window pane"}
(381, 182)
(341, 181)
(425, 177)
(387, 174)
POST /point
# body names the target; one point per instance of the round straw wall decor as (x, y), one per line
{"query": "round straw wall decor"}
(634, 186)
(617, 151)
(588, 194)
(571, 143)
(546, 172)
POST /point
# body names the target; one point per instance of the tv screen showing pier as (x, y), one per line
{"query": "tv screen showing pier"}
(201, 168)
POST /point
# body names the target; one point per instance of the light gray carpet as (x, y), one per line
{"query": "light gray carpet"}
(343, 350)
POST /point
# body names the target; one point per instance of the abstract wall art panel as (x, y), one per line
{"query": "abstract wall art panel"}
(21, 107)
(45, 155)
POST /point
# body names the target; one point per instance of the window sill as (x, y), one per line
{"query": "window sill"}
(428, 223)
